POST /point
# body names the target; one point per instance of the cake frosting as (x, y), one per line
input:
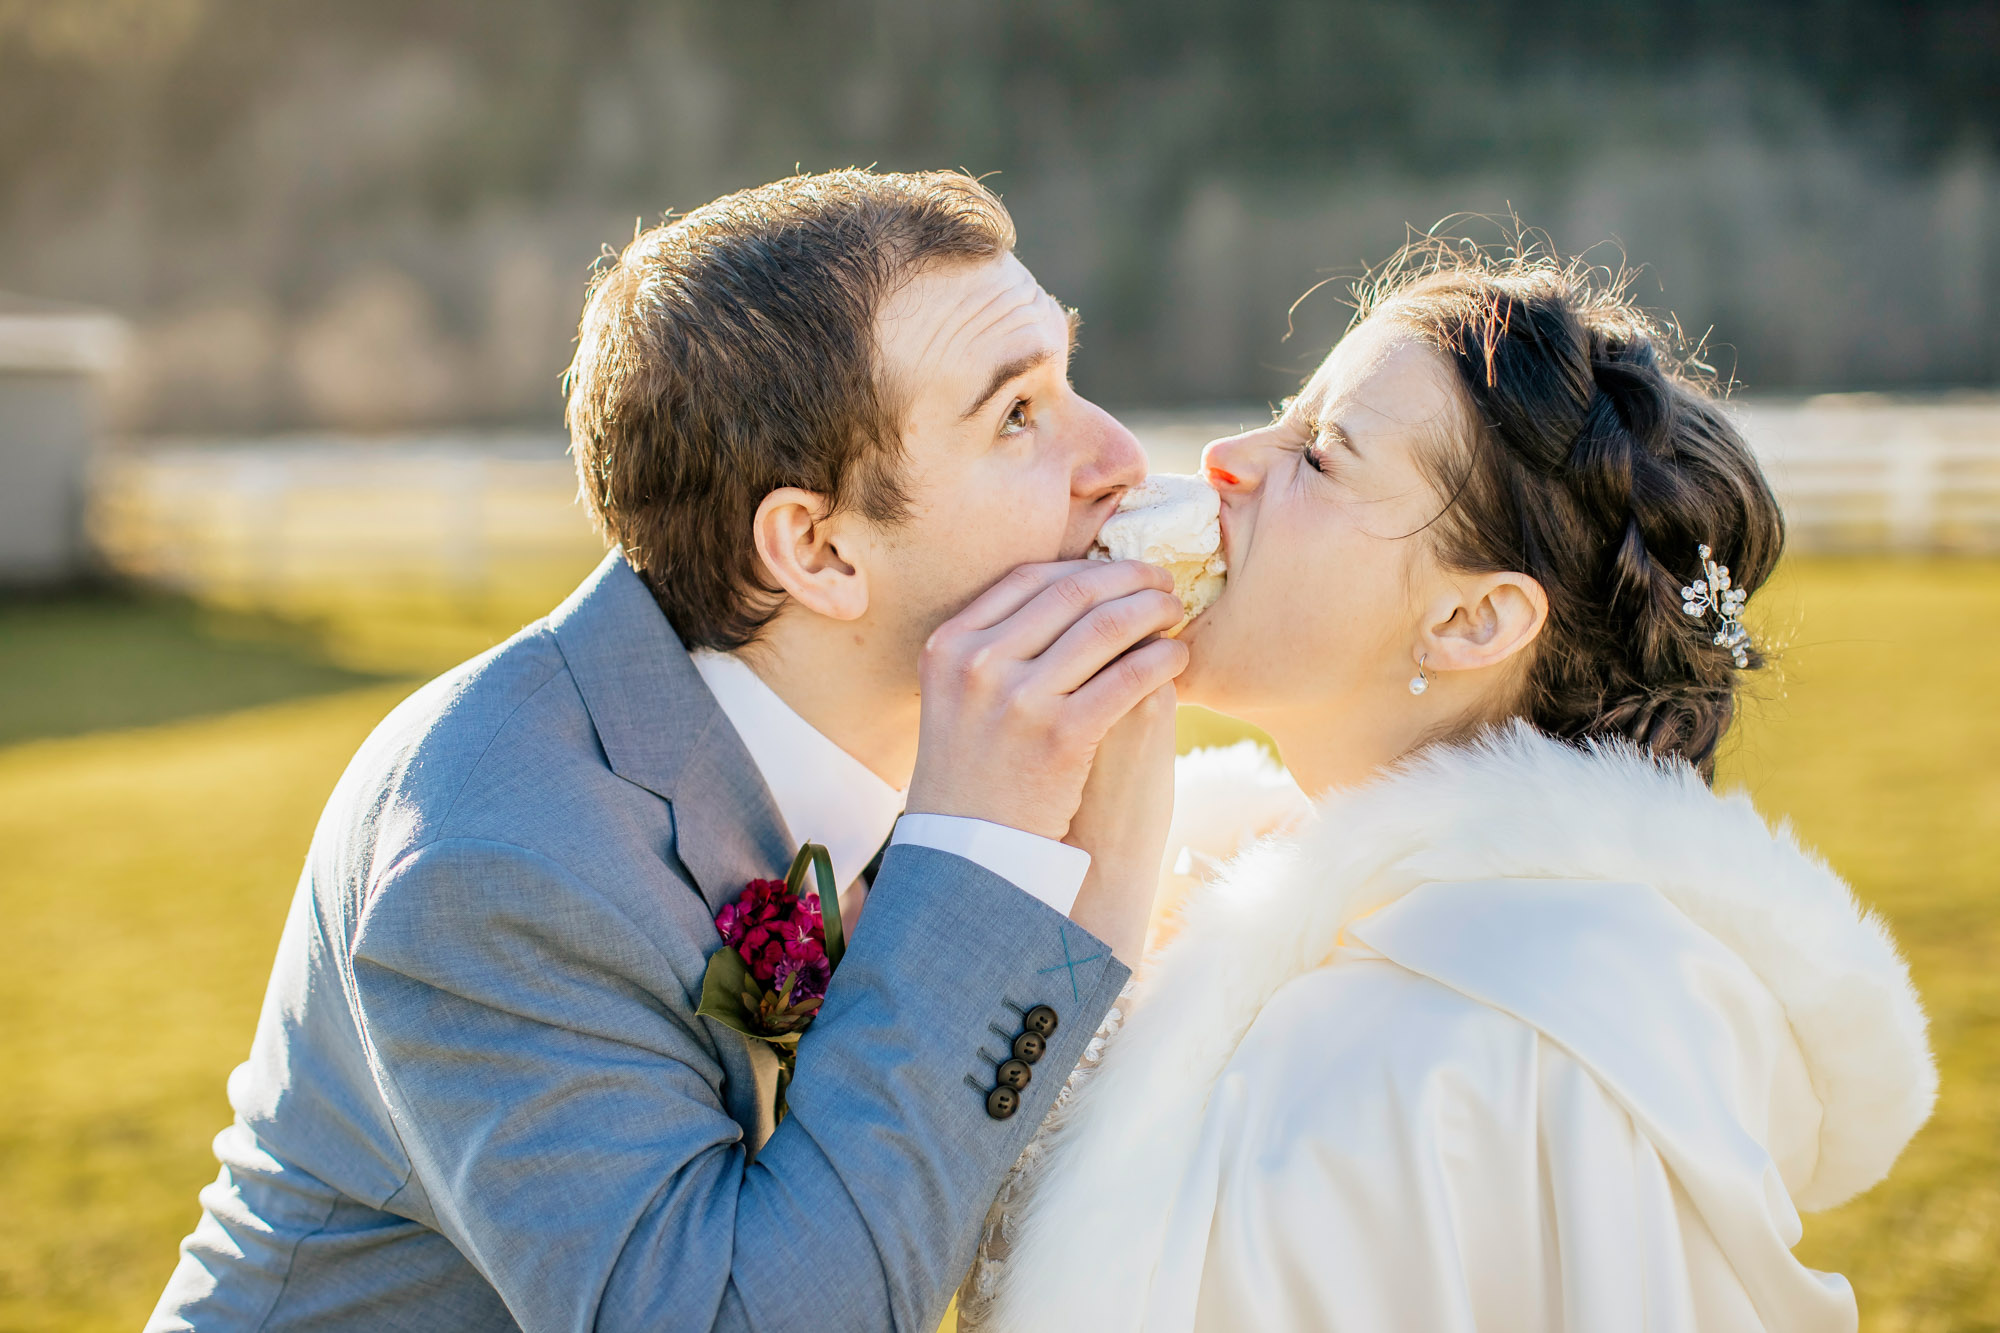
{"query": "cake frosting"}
(1174, 522)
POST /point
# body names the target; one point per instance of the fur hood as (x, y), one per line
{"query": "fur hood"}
(1517, 805)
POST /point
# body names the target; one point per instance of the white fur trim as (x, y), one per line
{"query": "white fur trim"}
(1225, 799)
(1516, 805)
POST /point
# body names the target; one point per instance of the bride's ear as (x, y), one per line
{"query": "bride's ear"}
(1492, 617)
(808, 553)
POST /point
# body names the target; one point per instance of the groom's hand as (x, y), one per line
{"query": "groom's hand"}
(1123, 820)
(1021, 686)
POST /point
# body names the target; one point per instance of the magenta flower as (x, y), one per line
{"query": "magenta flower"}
(805, 966)
(769, 979)
(763, 902)
(779, 936)
(803, 925)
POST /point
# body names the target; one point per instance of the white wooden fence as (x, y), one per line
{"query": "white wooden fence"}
(1854, 472)
(272, 521)
(1860, 473)
(463, 515)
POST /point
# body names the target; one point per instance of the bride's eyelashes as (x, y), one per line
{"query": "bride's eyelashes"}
(1313, 451)
(1309, 437)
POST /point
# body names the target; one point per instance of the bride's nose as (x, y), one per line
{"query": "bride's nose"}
(1232, 464)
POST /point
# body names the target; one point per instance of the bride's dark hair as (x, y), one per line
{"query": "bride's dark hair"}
(1596, 458)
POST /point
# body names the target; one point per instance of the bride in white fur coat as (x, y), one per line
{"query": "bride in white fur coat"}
(1519, 1025)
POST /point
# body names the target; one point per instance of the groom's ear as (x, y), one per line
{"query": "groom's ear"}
(802, 550)
(1489, 619)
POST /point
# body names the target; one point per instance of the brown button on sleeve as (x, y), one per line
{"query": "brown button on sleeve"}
(1029, 1046)
(1040, 1020)
(1002, 1102)
(1013, 1074)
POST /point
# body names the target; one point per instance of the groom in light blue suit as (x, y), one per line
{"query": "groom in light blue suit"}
(817, 420)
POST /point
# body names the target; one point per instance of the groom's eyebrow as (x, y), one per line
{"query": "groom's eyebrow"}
(1008, 371)
(1004, 374)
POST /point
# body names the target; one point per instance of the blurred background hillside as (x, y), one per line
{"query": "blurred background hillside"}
(379, 213)
(286, 290)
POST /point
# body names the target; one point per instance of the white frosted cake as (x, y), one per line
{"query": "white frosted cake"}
(1172, 521)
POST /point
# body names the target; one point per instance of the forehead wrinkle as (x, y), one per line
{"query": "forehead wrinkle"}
(900, 378)
(946, 333)
(999, 325)
(930, 358)
(1025, 313)
(1045, 353)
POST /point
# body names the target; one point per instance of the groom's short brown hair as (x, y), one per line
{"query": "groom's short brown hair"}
(731, 352)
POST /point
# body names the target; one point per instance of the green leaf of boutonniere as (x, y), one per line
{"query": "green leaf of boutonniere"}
(722, 990)
(772, 933)
(814, 855)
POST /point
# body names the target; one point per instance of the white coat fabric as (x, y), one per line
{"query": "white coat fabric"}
(1522, 1037)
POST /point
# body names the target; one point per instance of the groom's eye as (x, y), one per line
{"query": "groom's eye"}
(1017, 416)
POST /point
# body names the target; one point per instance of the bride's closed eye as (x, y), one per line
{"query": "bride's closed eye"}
(1314, 450)
(1309, 435)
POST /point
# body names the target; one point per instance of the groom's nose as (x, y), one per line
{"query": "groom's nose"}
(1110, 457)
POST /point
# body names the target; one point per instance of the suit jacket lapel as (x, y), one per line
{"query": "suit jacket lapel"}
(727, 829)
(662, 729)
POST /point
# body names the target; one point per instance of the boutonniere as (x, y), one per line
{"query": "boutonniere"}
(779, 949)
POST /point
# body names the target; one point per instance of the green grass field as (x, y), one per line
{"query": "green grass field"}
(161, 768)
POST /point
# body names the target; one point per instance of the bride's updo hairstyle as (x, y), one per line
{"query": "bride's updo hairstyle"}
(1597, 460)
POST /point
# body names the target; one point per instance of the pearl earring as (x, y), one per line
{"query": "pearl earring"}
(1420, 682)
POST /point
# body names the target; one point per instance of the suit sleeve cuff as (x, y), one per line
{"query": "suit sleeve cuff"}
(1051, 872)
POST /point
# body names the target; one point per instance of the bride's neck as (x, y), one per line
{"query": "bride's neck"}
(1325, 751)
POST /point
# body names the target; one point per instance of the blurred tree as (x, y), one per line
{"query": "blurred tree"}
(1814, 177)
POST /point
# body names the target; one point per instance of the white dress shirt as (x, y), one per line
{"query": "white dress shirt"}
(827, 796)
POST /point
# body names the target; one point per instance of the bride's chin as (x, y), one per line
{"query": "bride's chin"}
(1201, 640)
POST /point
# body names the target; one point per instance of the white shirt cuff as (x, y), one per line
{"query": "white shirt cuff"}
(1042, 867)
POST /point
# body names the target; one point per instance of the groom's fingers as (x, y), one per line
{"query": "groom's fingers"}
(1102, 634)
(1126, 683)
(1004, 736)
(1078, 598)
(1015, 591)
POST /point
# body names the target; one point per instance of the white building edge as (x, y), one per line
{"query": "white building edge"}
(53, 358)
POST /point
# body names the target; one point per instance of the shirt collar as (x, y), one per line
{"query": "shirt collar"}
(822, 792)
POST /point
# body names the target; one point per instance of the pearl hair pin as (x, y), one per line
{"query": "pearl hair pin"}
(1714, 594)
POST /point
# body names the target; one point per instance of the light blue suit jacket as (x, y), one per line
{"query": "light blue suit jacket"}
(480, 1098)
